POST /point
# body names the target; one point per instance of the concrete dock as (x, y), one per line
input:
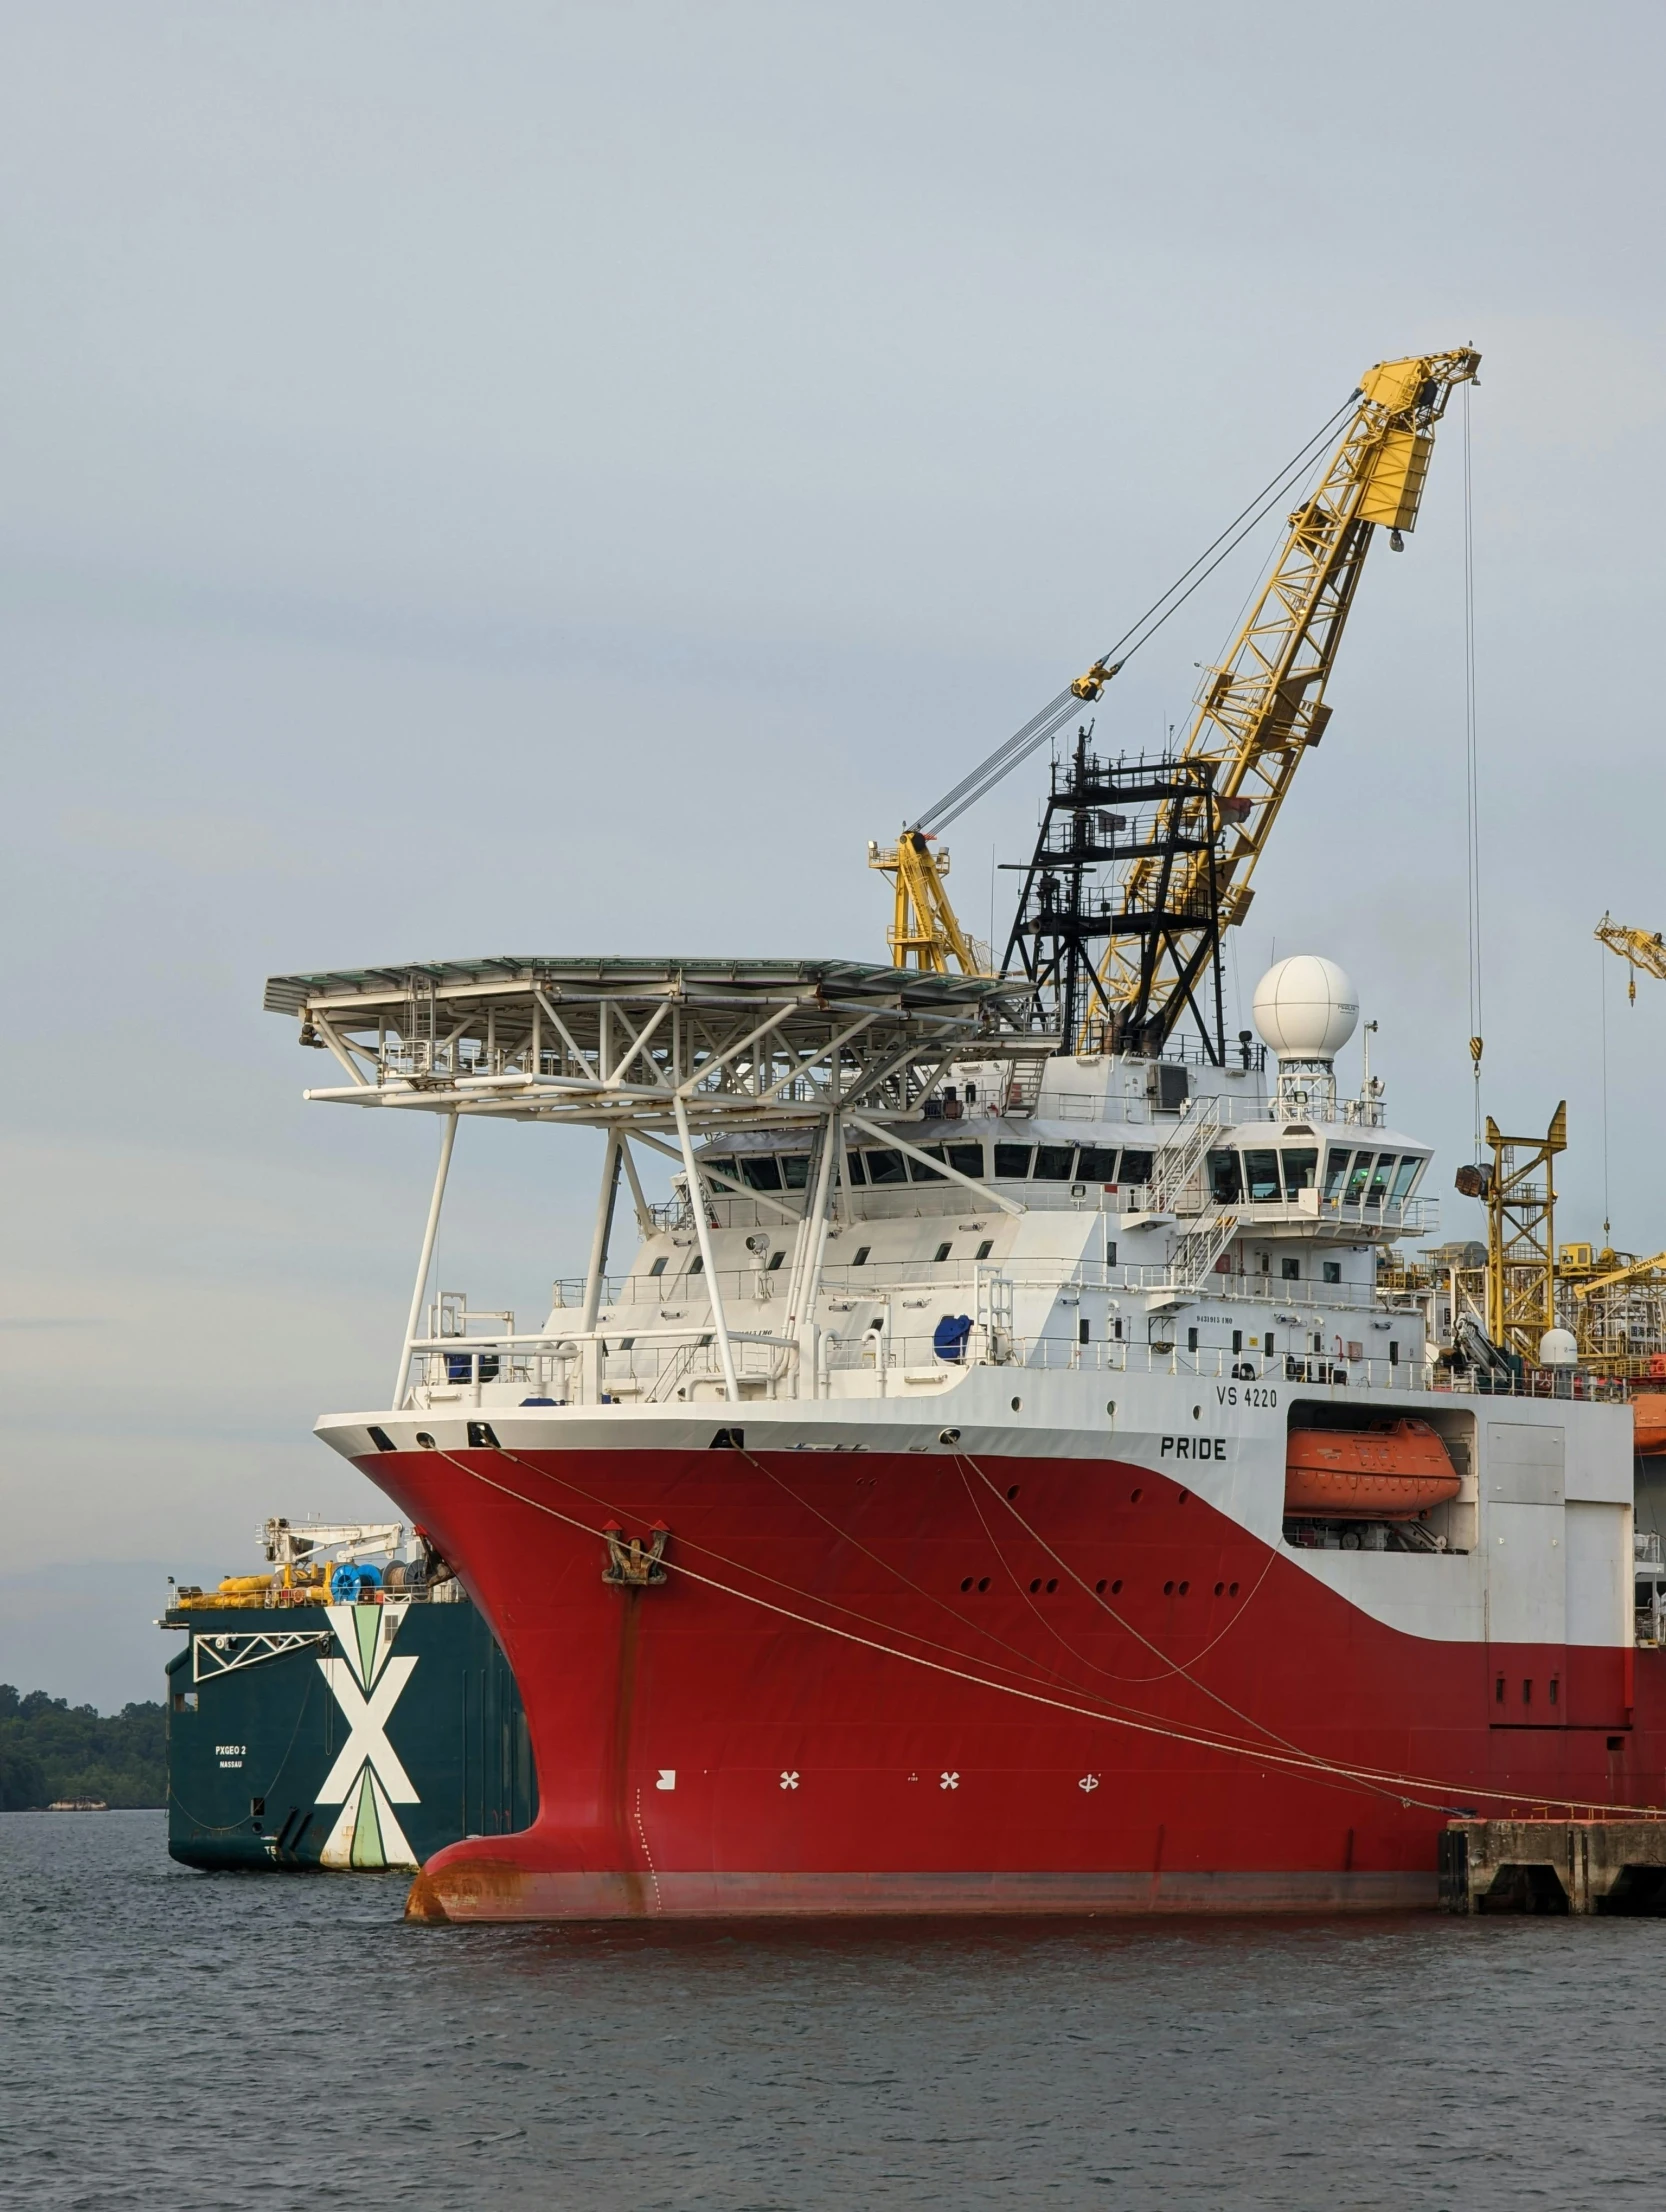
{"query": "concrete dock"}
(1554, 1866)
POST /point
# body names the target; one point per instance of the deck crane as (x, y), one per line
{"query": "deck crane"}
(1258, 711)
(1636, 945)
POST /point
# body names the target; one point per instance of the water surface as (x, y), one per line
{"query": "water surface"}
(209, 2043)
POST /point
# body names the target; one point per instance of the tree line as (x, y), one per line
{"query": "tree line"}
(50, 1749)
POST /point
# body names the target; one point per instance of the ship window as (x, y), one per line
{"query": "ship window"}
(1380, 1176)
(1332, 1270)
(185, 1701)
(1110, 1253)
(658, 1267)
(1299, 1171)
(1237, 1340)
(1290, 1268)
(1084, 1332)
(1225, 1183)
(1055, 1163)
(1096, 1163)
(1191, 1340)
(716, 1166)
(1359, 1178)
(861, 1259)
(924, 1174)
(775, 1259)
(1336, 1167)
(697, 1265)
(1404, 1176)
(885, 1167)
(1261, 1177)
(942, 1252)
(966, 1159)
(762, 1171)
(985, 1248)
(1116, 1328)
(1270, 1343)
(795, 1170)
(1012, 1161)
(1393, 1353)
(853, 1168)
(1136, 1167)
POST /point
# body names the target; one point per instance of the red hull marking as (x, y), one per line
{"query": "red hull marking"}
(812, 1774)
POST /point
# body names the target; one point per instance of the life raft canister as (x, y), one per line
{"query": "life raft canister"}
(1387, 1474)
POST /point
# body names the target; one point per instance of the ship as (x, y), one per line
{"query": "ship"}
(1023, 1466)
(347, 1710)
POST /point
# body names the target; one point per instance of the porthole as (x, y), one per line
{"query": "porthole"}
(1035, 1586)
(1016, 1403)
(1110, 1405)
(1220, 1588)
(1232, 1589)
(966, 1585)
(1168, 1589)
(1184, 1495)
(1116, 1587)
(983, 1584)
(425, 1440)
(1184, 1587)
(1197, 1413)
(1134, 1496)
(1099, 1587)
(1012, 1493)
(1052, 1585)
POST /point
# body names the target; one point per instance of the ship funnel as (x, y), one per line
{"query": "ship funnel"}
(1306, 1009)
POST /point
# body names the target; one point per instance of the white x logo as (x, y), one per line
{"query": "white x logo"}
(949, 1782)
(367, 1743)
(790, 1781)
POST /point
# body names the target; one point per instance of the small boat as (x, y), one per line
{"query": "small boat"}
(1648, 1416)
(1393, 1473)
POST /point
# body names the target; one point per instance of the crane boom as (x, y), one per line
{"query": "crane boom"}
(1636, 945)
(1263, 707)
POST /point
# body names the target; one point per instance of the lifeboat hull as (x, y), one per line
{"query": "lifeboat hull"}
(1648, 1414)
(1391, 1474)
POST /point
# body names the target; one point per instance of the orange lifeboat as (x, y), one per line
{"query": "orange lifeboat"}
(1648, 1419)
(1386, 1474)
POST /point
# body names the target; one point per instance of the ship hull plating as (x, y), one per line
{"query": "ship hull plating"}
(907, 1682)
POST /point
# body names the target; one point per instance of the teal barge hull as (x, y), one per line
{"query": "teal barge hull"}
(350, 1737)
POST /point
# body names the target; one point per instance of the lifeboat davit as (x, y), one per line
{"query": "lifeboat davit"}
(1648, 1419)
(1387, 1474)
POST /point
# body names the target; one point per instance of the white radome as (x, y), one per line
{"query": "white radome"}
(1306, 1008)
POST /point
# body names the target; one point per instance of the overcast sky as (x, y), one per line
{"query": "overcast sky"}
(559, 478)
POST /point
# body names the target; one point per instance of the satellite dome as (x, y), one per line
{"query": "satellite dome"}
(1306, 1008)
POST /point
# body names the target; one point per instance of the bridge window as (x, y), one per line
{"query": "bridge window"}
(1290, 1268)
(1136, 1167)
(795, 1170)
(761, 1171)
(1404, 1176)
(1261, 1177)
(1055, 1163)
(1096, 1163)
(1359, 1178)
(718, 1166)
(861, 1256)
(1012, 1161)
(1331, 1270)
(1336, 1168)
(1299, 1171)
(966, 1159)
(658, 1267)
(1225, 1183)
(985, 1248)
(853, 1168)
(923, 1174)
(1381, 1175)
(885, 1167)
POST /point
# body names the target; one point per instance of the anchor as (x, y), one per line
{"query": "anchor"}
(631, 1563)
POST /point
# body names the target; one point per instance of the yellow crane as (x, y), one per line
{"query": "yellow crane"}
(1636, 945)
(1260, 709)
(1263, 707)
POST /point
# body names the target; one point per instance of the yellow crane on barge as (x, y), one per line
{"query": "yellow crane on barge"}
(1258, 711)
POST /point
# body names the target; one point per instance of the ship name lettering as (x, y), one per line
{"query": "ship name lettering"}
(1193, 1447)
(1226, 1394)
(230, 1750)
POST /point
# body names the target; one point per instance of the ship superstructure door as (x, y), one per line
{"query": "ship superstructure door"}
(1524, 1533)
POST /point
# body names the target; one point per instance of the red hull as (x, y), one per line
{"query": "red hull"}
(850, 1729)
